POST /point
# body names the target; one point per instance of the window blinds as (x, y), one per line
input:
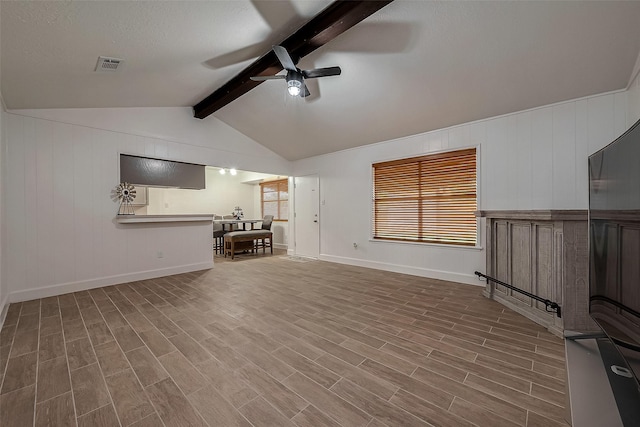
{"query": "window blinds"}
(426, 199)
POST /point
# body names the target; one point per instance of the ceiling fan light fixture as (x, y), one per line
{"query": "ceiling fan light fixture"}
(294, 87)
(294, 82)
(295, 76)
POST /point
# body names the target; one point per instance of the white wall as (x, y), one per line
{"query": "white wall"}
(224, 146)
(634, 97)
(221, 195)
(3, 283)
(4, 291)
(61, 166)
(535, 159)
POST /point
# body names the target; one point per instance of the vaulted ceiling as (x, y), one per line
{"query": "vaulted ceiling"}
(411, 67)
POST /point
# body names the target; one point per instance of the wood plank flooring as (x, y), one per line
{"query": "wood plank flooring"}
(271, 341)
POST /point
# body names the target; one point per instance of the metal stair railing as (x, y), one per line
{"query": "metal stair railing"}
(550, 306)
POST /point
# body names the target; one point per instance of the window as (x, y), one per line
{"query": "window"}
(275, 199)
(429, 199)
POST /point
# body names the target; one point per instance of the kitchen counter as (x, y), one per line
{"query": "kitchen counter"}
(137, 219)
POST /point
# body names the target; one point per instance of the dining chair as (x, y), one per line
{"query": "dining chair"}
(218, 235)
(266, 222)
(266, 225)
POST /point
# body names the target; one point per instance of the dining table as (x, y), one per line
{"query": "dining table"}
(234, 224)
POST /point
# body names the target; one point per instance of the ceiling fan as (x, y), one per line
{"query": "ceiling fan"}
(332, 21)
(295, 76)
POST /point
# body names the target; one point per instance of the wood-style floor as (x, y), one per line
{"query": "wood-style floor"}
(272, 341)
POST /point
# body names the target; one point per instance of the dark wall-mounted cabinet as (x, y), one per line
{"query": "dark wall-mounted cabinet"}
(151, 172)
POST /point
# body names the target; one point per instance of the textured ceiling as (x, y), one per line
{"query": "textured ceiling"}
(412, 67)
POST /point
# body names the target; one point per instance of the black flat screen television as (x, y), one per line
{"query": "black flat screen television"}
(614, 264)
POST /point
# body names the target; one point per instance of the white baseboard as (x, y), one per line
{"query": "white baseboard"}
(83, 285)
(280, 246)
(4, 307)
(291, 252)
(469, 279)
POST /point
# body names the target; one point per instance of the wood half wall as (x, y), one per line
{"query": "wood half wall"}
(544, 252)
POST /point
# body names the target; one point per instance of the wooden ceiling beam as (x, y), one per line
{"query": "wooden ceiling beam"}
(334, 20)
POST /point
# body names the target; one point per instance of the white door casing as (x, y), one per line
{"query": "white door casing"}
(307, 216)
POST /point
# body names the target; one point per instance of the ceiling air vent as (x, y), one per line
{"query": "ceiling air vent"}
(108, 64)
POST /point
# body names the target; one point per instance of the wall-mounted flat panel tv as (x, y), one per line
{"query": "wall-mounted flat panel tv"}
(614, 263)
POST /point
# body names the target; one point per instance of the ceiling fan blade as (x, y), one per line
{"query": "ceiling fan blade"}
(284, 58)
(305, 91)
(263, 78)
(236, 56)
(321, 72)
(278, 14)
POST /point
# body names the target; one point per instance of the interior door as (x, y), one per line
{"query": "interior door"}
(307, 220)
